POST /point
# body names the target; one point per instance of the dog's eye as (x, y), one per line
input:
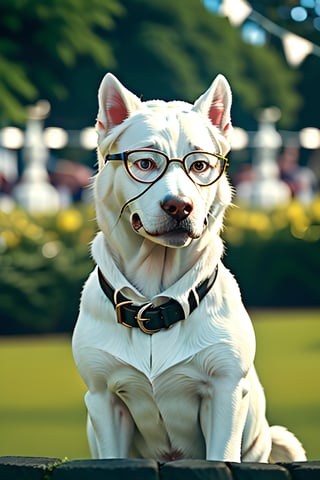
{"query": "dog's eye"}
(199, 166)
(145, 164)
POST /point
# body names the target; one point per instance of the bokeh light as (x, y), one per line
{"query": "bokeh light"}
(253, 33)
(299, 14)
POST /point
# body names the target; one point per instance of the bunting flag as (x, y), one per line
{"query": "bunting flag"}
(237, 12)
(296, 48)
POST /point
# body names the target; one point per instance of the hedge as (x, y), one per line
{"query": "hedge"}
(44, 261)
(275, 255)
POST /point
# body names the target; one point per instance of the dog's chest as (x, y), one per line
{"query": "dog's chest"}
(165, 409)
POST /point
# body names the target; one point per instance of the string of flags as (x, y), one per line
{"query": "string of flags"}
(296, 48)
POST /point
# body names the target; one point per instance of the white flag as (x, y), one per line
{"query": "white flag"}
(236, 10)
(296, 48)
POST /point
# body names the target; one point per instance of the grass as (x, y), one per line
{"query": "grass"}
(41, 405)
(288, 364)
(41, 402)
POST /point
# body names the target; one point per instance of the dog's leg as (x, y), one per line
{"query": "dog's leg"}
(222, 415)
(110, 426)
(92, 439)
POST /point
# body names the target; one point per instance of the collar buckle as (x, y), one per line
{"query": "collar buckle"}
(118, 307)
(138, 317)
(141, 320)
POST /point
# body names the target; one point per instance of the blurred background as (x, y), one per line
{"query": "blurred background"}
(53, 57)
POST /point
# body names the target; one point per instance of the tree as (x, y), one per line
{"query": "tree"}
(160, 49)
(41, 42)
(174, 49)
(309, 71)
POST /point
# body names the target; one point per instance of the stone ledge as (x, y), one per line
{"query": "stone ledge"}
(44, 468)
(26, 468)
(114, 469)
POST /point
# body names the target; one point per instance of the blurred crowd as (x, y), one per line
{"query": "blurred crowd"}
(290, 178)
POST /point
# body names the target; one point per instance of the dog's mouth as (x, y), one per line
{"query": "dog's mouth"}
(136, 222)
(179, 234)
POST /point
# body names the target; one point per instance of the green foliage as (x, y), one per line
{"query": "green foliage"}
(166, 50)
(280, 249)
(268, 82)
(40, 40)
(44, 263)
(59, 50)
(284, 223)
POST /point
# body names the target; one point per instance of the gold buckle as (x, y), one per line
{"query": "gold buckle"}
(138, 317)
(118, 309)
(140, 320)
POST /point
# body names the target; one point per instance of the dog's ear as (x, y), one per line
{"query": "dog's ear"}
(116, 103)
(215, 103)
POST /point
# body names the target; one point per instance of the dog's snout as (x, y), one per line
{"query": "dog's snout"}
(177, 207)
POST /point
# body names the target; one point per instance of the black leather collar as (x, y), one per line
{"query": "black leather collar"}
(152, 319)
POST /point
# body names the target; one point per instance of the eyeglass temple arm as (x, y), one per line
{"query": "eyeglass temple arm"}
(114, 156)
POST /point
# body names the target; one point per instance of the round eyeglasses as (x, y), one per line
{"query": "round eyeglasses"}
(146, 165)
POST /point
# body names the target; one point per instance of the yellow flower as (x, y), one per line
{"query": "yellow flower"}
(295, 210)
(69, 220)
(10, 239)
(259, 221)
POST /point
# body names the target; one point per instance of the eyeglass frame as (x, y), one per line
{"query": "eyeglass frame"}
(123, 156)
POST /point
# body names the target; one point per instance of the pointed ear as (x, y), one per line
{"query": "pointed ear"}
(116, 103)
(215, 103)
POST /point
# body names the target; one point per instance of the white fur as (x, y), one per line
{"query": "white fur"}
(190, 391)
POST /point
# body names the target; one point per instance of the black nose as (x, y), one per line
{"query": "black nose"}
(177, 207)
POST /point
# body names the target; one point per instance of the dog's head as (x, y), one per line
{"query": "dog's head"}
(161, 166)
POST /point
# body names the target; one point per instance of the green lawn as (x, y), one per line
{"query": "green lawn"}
(288, 363)
(41, 401)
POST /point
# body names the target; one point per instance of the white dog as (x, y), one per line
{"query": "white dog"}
(163, 341)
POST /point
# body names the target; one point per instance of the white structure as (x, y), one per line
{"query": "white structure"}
(265, 189)
(34, 192)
